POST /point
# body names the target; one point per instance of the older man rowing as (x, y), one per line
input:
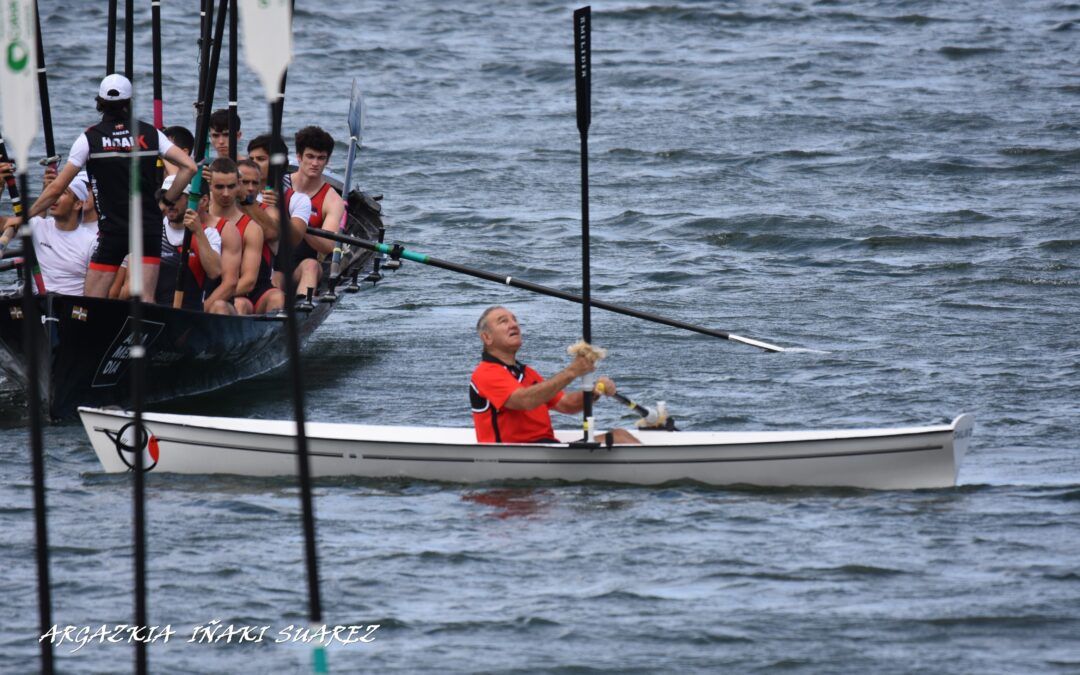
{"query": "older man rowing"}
(511, 401)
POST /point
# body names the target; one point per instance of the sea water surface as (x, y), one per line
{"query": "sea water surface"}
(889, 186)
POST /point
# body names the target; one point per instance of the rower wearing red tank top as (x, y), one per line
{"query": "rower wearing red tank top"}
(225, 214)
(313, 149)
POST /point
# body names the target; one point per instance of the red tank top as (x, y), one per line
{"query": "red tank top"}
(317, 206)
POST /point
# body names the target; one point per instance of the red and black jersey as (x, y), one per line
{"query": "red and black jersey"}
(303, 250)
(491, 385)
(265, 260)
(109, 168)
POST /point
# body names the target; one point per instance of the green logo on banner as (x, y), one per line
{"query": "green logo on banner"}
(17, 55)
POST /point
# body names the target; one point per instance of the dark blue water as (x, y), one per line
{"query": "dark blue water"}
(890, 184)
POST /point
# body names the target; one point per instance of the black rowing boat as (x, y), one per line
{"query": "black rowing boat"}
(84, 344)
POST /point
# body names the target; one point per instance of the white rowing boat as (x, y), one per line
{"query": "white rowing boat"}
(886, 459)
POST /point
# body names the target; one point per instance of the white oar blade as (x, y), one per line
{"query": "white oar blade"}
(356, 112)
(18, 78)
(268, 47)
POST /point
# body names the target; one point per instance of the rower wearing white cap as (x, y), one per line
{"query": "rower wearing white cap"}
(105, 150)
(204, 262)
(63, 248)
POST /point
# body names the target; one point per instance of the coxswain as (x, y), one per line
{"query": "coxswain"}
(204, 261)
(63, 247)
(511, 401)
(313, 149)
(105, 150)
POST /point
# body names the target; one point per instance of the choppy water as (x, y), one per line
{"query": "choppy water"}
(892, 183)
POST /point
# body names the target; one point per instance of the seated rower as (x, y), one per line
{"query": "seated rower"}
(182, 138)
(219, 131)
(511, 401)
(297, 203)
(204, 261)
(313, 149)
(254, 291)
(62, 246)
(225, 214)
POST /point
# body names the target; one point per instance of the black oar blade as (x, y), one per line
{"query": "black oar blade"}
(583, 66)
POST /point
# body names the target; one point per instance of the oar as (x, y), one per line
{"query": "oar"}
(268, 47)
(51, 158)
(397, 252)
(205, 105)
(12, 186)
(356, 136)
(20, 121)
(650, 418)
(583, 87)
(110, 46)
(155, 29)
(138, 360)
(129, 39)
(233, 83)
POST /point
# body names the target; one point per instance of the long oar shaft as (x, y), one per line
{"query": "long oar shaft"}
(155, 29)
(583, 86)
(43, 91)
(233, 84)
(129, 39)
(110, 47)
(396, 252)
(207, 78)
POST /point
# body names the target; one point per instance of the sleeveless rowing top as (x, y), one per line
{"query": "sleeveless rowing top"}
(194, 283)
(265, 260)
(303, 249)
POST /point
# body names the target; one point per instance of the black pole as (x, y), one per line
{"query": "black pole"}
(285, 263)
(129, 39)
(398, 252)
(43, 90)
(155, 29)
(215, 58)
(32, 338)
(137, 353)
(205, 105)
(232, 79)
(582, 81)
(110, 47)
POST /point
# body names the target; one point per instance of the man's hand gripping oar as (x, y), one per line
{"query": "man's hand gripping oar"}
(656, 418)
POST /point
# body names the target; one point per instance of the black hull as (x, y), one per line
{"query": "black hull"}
(84, 349)
(83, 343)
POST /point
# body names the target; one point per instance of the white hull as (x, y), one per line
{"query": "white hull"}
(900, 458)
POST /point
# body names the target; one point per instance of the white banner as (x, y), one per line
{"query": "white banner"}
(267, 28)
(18, 78)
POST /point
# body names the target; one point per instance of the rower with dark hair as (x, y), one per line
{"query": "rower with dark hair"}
(298, 203)
(313, 149)
(105, 149)
(181, 138)
(225, 216)
(219, 131)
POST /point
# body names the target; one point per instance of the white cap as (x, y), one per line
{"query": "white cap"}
(169, 180)
(78, 188)
(115, 87)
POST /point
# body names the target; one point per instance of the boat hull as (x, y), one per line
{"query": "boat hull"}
(84, 345)
(906, 458)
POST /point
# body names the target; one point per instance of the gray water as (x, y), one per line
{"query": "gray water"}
(890, 186)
